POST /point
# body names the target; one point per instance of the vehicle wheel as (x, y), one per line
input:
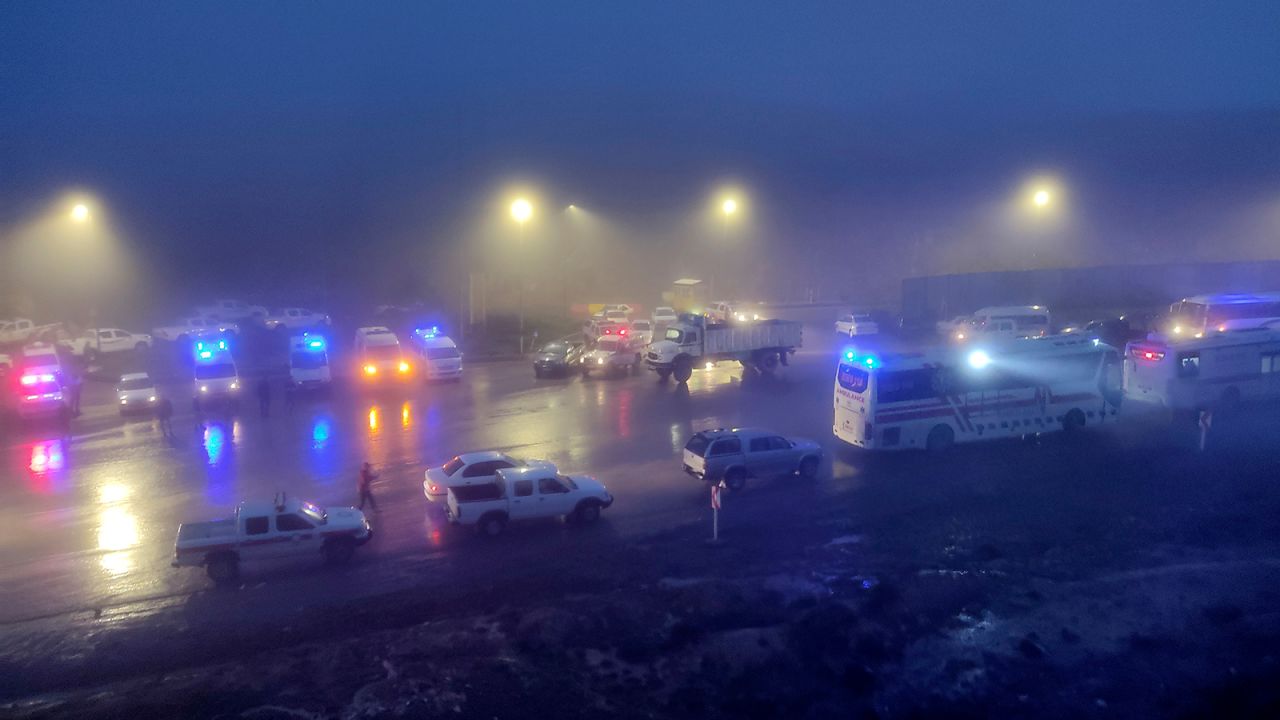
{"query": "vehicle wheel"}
(809, 468)
(940, 438)
(683, 369)
(492, 525)
(223, 569)
(736, 479)
(588, 512)
(1073, 422)
(663, 375)
(339, 552)
(768, 362)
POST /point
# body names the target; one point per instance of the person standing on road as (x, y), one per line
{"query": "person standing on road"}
(264, 396)
(164, 414)
(367, 476)
(290, 396)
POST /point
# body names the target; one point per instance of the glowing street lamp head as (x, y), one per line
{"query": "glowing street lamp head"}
(521, 210)
(1041, 198)
(80, 213)
(729, 206)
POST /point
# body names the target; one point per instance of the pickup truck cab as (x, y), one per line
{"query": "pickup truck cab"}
(297, 319)
(261, 531)
(16, 330)
(526, 494)
(738, 454)
(612, 355)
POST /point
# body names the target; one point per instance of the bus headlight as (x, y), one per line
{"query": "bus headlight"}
(979, 359)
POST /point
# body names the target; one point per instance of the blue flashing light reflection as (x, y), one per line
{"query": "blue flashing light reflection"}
(215, 440)
(848, 355)
(205, 354)
(320, 432)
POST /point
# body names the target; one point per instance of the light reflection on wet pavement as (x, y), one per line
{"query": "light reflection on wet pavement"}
(89, 520)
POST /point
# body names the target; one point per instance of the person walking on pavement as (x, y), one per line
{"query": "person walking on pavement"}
(367, 476)
(264, 396)
(164, 414)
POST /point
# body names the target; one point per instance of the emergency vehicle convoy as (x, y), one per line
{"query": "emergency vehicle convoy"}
(1218, 370)
(934, 400)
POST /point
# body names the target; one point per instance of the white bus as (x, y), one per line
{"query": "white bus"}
(1016, 388)
(1220, 369)
(1200, 315)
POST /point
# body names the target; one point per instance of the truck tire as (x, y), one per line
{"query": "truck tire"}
(223, 568)
(664, 374)
(941, 437)
(492, 525)
(682, 369)
(587, 512)
(735, 479)
(339, 551)
(1073, 422)
(768, 362)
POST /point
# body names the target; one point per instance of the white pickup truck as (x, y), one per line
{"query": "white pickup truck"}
(192, 327)
(106, 341)
(526, 493)
(278, 530)
(760, 344)
(21, 330)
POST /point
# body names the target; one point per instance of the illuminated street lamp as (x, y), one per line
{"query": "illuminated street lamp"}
(729, 206)
(1041, 198)
(80, 213)
(521, 210)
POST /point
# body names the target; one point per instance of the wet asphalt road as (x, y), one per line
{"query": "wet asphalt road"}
(87, 521)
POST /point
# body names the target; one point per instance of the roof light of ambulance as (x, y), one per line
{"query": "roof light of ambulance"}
(370, 370)
(848, 355)
(404, 366)
(979, 359)
(315, 344)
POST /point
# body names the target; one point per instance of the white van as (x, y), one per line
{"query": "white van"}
(309, 362)
(40, 384)
(380, 356)
(216, 378)
(441, 359)
(1012, 321)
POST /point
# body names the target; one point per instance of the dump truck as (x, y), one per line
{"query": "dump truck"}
(695, 340)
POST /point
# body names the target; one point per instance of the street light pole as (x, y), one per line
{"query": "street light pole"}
(521, 211)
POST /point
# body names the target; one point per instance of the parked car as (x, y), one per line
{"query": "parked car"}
(231, 310)
(270, 531)
(641, 332)
(137, 393)
(193, 327)
(296, 319)
(557, 358)
(664, 316)
(106, 341)
(526, 494)
(857, 324)
(472, 468)
(736, 455)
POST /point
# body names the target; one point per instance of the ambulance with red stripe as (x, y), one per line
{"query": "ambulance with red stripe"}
(261, 531)
(1221, 369)
(935, 399)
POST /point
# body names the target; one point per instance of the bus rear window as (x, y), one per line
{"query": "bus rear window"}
(852, 378)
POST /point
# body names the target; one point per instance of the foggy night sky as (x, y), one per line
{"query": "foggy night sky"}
(354, 131)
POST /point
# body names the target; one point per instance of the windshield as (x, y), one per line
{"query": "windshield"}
(382, 352)
(607, 345)
(697, 444)
(135, 384)
(664, 312)
(452, 466)
(640, 325)
(442, 353)
(308, 360)
(315, 512)
(568, 481)
(674, 335)
(555, 349)
(216, 370)
(852, 378)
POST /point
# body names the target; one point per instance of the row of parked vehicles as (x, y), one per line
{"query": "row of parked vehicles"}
(484, 491)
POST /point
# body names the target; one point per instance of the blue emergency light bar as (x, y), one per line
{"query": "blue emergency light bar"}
(315, 344)
(428, 333)
(206, 354)
(868, 361)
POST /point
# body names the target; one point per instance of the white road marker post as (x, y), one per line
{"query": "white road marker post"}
(715, 510)
(1206, 422)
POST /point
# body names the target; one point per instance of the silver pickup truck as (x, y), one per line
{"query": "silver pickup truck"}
(269, 531)
(526, 493)
(737, 454)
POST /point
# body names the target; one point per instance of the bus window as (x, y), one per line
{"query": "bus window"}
(1188, 364)
(851, 378)
(905, 385)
